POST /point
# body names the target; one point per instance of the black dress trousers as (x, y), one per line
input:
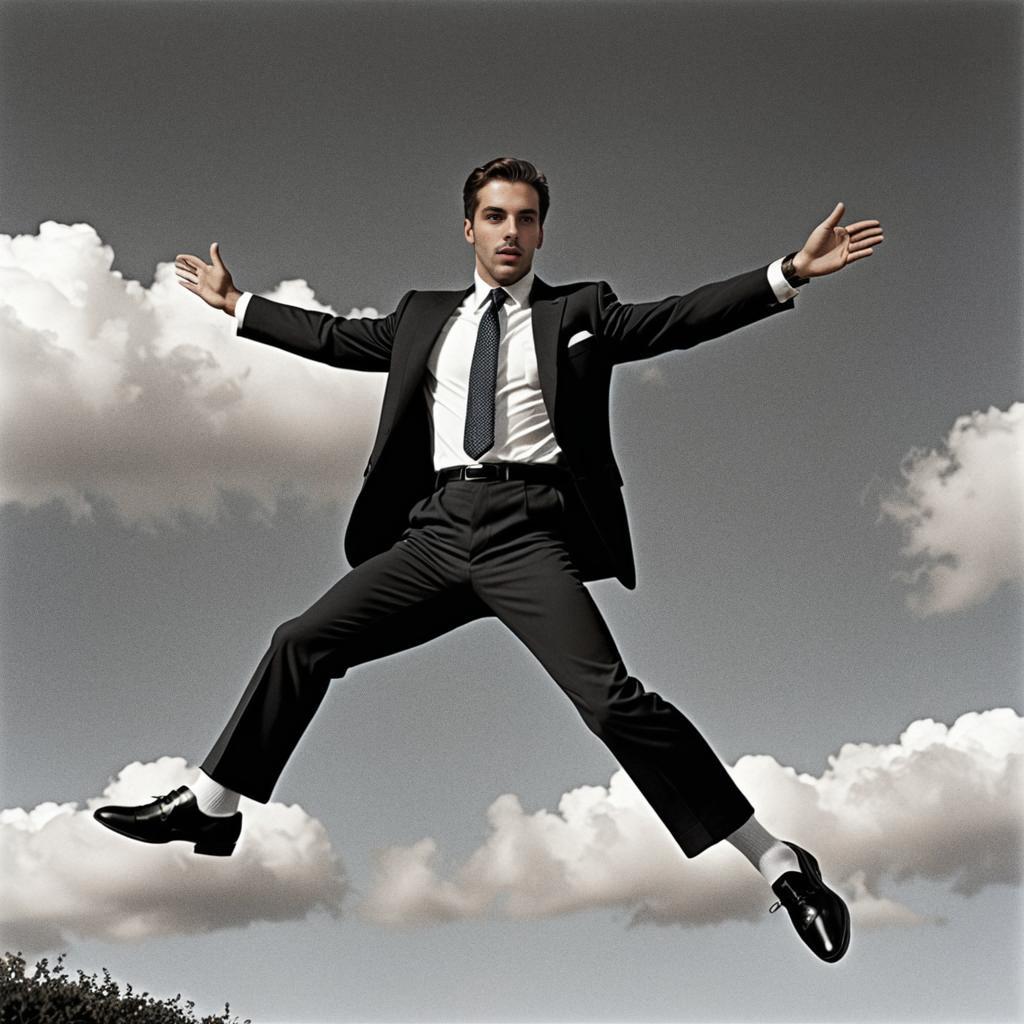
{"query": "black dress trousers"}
(474, 548)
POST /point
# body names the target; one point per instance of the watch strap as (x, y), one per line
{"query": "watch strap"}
(790, 274)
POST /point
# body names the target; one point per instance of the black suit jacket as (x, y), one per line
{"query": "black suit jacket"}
(575, 382)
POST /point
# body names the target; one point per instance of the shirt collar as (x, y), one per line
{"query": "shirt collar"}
(518, 293)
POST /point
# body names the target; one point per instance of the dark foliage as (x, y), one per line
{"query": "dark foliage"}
(50, 996)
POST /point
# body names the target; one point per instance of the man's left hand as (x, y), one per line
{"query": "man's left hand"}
(830, 246)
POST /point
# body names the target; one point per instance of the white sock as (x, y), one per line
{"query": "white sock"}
(212, 797)
(770, 856)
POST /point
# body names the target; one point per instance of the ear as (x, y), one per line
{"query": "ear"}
(540, 236)
(467, 229)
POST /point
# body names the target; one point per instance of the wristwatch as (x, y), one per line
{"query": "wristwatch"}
(790, 274)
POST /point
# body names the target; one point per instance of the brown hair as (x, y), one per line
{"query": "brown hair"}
(504, 168)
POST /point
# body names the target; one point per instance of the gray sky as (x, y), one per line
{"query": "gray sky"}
(324, 145)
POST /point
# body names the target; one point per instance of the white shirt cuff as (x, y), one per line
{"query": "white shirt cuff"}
(784, 291)
(240, 307)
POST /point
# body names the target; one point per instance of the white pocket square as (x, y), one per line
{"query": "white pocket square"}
(578, 337)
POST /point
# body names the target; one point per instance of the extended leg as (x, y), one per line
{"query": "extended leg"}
(407, 595)
(535, 590)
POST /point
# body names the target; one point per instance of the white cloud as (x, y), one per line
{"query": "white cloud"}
(943, 803)
(145, 400)
(65, 875)
(961, 510)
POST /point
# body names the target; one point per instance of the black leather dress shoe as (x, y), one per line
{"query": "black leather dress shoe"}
(175, 816)
(819, 915)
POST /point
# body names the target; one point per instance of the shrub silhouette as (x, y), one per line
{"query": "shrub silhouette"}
(50, 996)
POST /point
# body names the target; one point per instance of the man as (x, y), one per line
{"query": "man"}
(492, 489)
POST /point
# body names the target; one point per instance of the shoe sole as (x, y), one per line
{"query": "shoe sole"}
(203, 847)
(214, 849)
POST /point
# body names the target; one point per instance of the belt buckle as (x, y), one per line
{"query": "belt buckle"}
(476, 473)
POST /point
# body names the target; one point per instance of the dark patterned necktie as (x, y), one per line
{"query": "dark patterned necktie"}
(483, 377)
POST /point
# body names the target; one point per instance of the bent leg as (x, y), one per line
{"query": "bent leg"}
(395, 600)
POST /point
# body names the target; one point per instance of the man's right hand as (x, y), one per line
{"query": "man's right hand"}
(210, 281)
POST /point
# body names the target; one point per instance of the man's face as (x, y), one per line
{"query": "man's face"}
(505, 231)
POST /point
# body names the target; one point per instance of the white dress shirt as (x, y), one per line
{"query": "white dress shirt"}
(522, 430)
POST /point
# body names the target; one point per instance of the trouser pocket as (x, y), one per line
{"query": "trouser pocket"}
(543, 502)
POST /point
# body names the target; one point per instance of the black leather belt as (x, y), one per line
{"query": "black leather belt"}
(532, 472)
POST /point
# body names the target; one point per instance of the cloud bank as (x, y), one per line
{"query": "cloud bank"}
(63, 875)
(943, 803)
(144, 401)
(961, 511)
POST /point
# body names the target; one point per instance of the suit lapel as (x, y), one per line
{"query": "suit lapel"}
(547, 320)
(431, 313)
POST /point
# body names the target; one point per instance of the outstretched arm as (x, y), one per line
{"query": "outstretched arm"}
(355, 344)
(830, 247)
(210, 281)
(639, 331)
